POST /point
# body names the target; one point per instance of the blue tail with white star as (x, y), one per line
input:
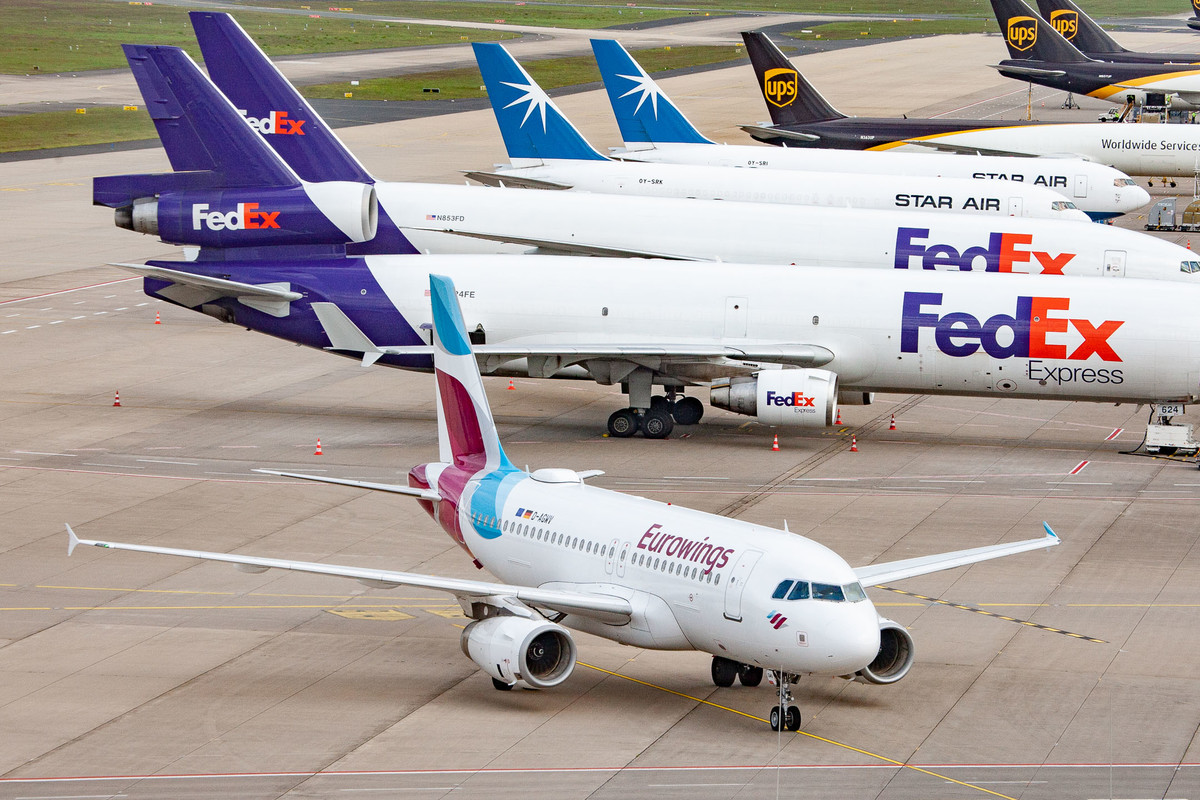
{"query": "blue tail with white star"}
(645, 115)
(534, 129)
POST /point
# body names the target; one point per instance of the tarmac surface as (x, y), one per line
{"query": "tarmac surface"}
(131, 675)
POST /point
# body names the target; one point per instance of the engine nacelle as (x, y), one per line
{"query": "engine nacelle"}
(511, 649)
(801, 397)
(895, 656)
(335, 212)
(847, 398)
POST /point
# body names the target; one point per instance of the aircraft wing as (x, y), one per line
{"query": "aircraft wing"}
(1029, 72)
(607, 608)
(504, 179)
(963, 149)
(877, 574)
(771, 132)
(345, 335)
(192, 290)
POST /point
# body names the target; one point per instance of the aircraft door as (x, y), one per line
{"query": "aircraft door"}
(735, 317)
(610, 556)
(1114, 263)
(737, 584)
(621, 559)
(1081, 185)
(1016, 207)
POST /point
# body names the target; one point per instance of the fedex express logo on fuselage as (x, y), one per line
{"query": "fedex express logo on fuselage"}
(1002, 252)
(274, 122)
(1037, 329)
(245, 217)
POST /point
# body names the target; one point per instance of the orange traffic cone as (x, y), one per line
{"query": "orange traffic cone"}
(838, 421)
(892, 427)
(157, 319)
(318, 453)
(853, 444)
(511, 388)
(775, 445)
(117, 399)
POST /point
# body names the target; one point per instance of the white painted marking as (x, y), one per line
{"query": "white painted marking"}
(1080, 467)
(239, 447)
(69, 796)
(239, 474)
(166, 447)
(100, 464)
(693, 478)
(98, 313)
(938, 480)
(47, 308)
(68, 291)
(57, 322)
(12, 331)
(109, 296)
(6, 458)
(12, 315)
(160, 461)
(122, 308)
(1084, 483)
(79, 317)
(36, 453)
(139, 305)
(31, 327)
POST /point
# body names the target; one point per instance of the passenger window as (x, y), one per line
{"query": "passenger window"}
(656, 563)
(800, 591)
(589, 547)
(781, 590)
(826, 591)
(717, 580)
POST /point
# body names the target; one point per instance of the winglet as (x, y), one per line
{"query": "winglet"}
(1050, 532)
(72, 540)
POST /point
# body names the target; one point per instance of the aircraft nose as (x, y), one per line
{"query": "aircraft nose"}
(1139, 195)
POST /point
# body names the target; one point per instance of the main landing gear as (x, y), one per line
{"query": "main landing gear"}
(659, 420)
(725, 671)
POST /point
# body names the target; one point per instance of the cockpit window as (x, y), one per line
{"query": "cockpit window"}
(1062, 205)
(827, 591)
(799, 591)
(1190, 267)
(1123, 182)
(854, 592)
(781, 590)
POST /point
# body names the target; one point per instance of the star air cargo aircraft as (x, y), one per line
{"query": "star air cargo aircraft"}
(1039, 54)
(635, 571)
(655, 130)
(801, 117)
(1094, 42)
(556, 156)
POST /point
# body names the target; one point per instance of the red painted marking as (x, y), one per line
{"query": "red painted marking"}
(1116, 432)
(1079, 468)
(67, 291)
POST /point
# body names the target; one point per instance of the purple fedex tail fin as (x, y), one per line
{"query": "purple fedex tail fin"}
(271, 105)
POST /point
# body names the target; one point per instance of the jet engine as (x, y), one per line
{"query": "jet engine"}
(803, 397)
(510, 649)
(336, 212)
(895, 656)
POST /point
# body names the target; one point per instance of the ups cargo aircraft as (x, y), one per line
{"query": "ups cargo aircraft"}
(655, 130)
(628, 569)
(801, 117)
(439, 218)
(556, 156)
(1094, 42)
(1194, 21)
(1038, 54)
(778, 343)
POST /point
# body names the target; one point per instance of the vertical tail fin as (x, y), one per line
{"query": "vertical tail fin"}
(199, 128)
(1077, 27)
(269, 103)
(791, 100)
(534, 129)
(1030, 38)
(465, 422)
(644, 114)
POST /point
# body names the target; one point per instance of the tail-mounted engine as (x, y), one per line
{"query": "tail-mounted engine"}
(895, 656)
(331, 213)
(519, 649)
(802, 397)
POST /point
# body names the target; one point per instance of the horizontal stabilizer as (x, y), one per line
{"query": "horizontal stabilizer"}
(1031, 72)
(506, 180)
(192, 290)
(762, 132)
(422, 494)
(877, 574)
(344, 334)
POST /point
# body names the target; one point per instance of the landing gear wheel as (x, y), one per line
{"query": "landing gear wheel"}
(623, 424)
(792, 719)
(660, 403)
(750, 675)
(656, 424)
(724, 671)
(775, 718)
(687, 411)
(501, 685)
(1172, 184)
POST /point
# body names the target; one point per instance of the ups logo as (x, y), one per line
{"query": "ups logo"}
(781, 85)
(1021, 33)
(1196, 6)
(1066, 22)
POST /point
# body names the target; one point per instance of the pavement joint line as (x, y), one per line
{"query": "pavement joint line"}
(976, 610)
(68, 291)
(843, 745)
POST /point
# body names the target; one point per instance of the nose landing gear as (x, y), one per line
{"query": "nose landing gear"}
(782, 712)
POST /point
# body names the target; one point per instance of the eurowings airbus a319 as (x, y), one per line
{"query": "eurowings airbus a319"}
(632, 570)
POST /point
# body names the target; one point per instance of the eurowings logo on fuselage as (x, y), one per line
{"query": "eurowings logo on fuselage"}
(1034, 331)
(245, 217)
(1066, 22)
(274, 122)
(1021, 32)
(780, 86)
(1002, 253)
